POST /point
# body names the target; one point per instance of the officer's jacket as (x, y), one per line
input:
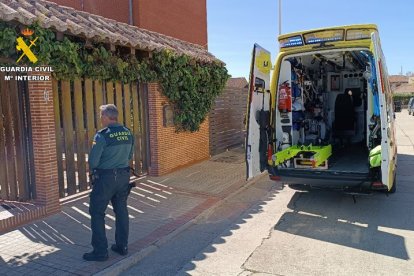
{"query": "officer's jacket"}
(112, 148)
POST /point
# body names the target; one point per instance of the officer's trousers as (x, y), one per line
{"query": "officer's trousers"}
(107, 187)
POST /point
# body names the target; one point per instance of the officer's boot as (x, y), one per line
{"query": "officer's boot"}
(94, 257)
(120, 250)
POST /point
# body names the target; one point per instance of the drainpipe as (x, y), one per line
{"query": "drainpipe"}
(131, 19)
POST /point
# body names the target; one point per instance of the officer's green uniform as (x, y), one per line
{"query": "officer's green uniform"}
(109, 161)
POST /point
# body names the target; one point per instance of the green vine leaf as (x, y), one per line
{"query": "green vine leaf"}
(190, 85)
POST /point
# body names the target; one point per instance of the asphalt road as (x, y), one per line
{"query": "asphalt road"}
(268, 229)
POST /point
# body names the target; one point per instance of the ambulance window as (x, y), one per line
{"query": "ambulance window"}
(324, 36)
(259, 84)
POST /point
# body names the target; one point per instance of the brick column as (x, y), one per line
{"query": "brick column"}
(44, 143)
(170, 150)
(153, 116)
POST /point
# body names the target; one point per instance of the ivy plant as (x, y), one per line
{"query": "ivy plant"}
(190, 85)
(8, 36)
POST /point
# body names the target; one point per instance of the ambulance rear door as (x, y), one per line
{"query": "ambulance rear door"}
(388, 143)
(258, 112)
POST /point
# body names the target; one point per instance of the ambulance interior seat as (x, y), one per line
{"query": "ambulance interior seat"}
(344, 123)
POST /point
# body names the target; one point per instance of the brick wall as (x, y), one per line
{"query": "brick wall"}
(76, 4)
(105, 8)
(44, 144)
(182, 19)
(170, 150)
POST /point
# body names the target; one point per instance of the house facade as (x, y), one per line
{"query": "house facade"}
(397, 80)
(172, 18)
(53, 121)
(402, 85)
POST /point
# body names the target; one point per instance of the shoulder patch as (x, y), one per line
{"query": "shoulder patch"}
(103, 130)
(127, 129)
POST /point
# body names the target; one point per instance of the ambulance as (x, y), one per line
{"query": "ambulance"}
(325, 119)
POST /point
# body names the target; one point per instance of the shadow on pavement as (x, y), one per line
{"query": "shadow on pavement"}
(56, 244)
(326, 216)
(233, 216)
(334, 217)
(157, 207)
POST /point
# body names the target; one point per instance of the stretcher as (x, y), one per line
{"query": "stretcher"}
(319, 154)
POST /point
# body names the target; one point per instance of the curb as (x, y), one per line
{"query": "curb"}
(124, 264)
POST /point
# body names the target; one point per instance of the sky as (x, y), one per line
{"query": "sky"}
(235, 25)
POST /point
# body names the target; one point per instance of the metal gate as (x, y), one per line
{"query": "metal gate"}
(77, 120)
(16, 151)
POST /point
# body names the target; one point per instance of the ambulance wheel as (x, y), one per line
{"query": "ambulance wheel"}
(394, 186)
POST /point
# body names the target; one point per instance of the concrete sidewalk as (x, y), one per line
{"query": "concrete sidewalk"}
(158, 207)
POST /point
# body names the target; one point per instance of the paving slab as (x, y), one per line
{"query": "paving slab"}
(158, 206)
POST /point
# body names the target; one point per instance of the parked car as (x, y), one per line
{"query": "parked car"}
(397, 106)
(411, 106)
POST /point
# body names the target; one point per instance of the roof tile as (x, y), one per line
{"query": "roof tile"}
(398, 78)
(95, 27)
(237, 82)
(404, 88)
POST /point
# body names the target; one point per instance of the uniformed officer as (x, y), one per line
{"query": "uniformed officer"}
(109, 163)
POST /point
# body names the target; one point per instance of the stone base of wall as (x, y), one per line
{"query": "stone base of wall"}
(15, 214)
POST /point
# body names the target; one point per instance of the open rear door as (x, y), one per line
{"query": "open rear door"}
(258, 114)
(388, 143)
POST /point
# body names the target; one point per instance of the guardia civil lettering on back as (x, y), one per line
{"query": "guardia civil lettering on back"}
(109, 159)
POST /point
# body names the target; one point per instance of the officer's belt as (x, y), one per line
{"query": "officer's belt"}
(111, 171)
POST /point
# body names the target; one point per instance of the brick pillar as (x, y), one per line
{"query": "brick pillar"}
(170, 150)
(153, 116)
(44, 143)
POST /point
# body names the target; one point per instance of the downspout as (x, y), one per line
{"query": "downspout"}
(131, 19)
